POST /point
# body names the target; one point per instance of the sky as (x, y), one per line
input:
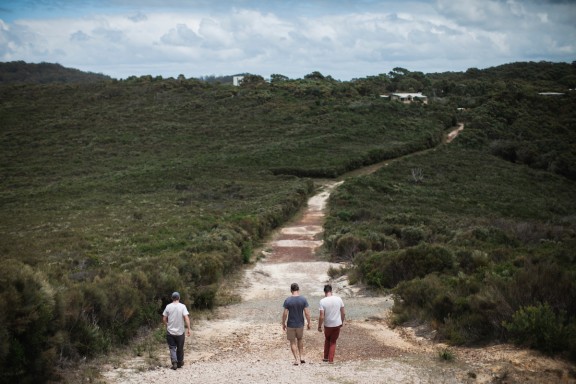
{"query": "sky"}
(345, 39)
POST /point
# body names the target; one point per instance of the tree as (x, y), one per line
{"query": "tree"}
(277, 78)
(314, 76)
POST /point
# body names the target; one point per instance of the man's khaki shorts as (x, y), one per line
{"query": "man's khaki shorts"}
(294, 333)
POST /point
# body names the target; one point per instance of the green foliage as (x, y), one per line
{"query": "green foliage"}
(27, 316)
(540, 328)
(387, 269)
(334, 273)
(121, 192)
(490, 229)
(446, 354)
(116, 193)
(21, 72)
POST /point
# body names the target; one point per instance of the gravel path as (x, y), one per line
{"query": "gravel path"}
(244, 342)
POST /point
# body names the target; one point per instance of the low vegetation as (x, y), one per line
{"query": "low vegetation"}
(116, 193)
(481, 244)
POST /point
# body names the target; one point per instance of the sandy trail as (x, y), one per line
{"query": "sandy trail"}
(244, 342)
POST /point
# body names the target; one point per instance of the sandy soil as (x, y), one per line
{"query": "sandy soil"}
(244, 342)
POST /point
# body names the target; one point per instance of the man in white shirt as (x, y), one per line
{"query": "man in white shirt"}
(175, 316)
(332, 315)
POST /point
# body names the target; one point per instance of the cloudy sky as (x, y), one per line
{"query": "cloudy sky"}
(345, 39)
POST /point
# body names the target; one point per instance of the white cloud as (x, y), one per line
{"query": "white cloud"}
(354, 39)
(181, 36)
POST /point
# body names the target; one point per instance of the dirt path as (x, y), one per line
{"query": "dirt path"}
(244, 343)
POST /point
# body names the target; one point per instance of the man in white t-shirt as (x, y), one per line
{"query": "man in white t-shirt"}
(175, 317)
(332, 315)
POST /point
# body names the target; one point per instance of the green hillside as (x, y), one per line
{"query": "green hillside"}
(477, 238)
(115, 193)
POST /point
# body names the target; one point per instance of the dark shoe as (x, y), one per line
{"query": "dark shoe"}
(180, 365)
(174, 366)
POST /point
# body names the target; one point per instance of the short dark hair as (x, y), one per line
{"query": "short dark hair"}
(294, 287)
(327, 288)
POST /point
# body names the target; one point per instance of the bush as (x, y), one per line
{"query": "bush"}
(335, 273)
(348, 245)
(412, 235)
(205, 297)
(470, 328)
(387, 269)
(470, 261)
(413, 299)
(538, 327)
(27, 324)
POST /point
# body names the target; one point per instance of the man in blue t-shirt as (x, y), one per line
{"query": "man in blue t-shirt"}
(295, 308)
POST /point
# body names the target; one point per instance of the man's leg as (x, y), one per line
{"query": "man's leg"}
(294, 348)
(172, 346)
(326, 344)
(332, 334)
(180, 349)
(291, 336)
(301, 350)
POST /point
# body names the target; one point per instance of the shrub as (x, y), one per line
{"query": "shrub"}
(471, 261)
(466, 329)
(205, 296)
(422, 260)
(348, 245)
(538, 327)
(412, 235)
(381, 242)
(413, 299)
(445, 354)
(387, 269)
(334, 273)
(27, 324)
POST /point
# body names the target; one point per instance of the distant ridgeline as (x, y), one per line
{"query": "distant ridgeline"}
(22, 72)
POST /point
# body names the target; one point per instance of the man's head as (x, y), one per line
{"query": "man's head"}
(294, 287)
(175, 296)
(327, 288)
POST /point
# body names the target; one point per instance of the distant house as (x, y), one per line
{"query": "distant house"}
(237, 80)
(408, 98)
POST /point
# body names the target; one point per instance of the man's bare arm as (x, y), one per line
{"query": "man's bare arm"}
(187, 319)
(307, 314)
(284, 317)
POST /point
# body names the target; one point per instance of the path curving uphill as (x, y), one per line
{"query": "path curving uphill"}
(244, 342)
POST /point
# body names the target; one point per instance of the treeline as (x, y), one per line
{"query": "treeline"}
(476, 239)
(18, 72)
(115, 193)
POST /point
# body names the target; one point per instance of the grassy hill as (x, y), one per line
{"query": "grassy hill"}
(20, 72)
(477, 238)
(116, 193)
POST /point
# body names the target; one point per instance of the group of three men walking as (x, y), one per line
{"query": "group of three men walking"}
(177, 321)
(332, 315)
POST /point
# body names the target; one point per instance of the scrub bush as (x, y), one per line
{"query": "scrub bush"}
(348, 245)
(27, 324)
(539, 327)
